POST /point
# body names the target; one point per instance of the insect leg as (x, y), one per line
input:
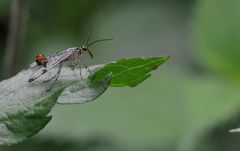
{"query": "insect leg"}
(73, 61)
(51, 78)
(85, 66)
(80, 71)
(57, 75)
(40, 73)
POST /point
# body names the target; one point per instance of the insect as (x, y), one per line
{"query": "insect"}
(70, 55)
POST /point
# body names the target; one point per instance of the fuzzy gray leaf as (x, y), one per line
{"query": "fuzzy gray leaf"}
(24, 106)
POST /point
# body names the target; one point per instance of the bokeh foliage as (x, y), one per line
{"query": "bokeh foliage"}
(188, 105)
(217, 35)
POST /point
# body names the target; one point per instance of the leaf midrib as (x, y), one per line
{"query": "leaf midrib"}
(140, 66)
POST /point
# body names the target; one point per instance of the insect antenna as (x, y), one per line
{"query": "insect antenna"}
(99, 41)
(89, 36)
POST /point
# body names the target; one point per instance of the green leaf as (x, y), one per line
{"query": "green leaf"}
(24, 106)
(18, 126)
(129, 72)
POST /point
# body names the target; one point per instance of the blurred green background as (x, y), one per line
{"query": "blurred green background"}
(188, 104)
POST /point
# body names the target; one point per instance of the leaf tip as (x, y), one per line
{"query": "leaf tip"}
(166, 57)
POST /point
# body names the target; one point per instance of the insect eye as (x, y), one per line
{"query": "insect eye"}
(84, 48)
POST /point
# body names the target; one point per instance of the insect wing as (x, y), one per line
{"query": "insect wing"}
(37, 74)
(52, 61)
(55, 59)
